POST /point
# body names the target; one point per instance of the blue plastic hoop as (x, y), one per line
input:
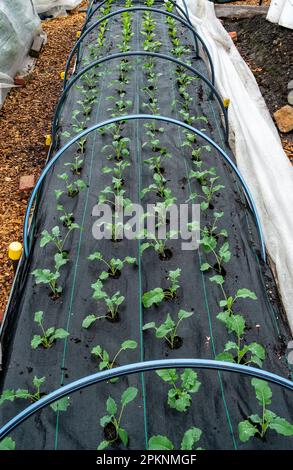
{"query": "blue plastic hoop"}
(139, 367)
(74, 79)
(124, 10)
(140, 117)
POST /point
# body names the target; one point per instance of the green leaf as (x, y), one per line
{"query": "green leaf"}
(180, 404)
(224, 252)
(38, 316)
(97, 351)
(183, 314)
(165, 328)
(36, 341)
(246, 430)
(191, 436)
(168, 375)
(205, 267)
(111, 406)
(21, 393)
(151, 297)
(7, 395)
(217, 279)
(160, 443)
(37, 382)
(130, 260)
(236, 323)
(129, 344)
(103, 445)
(144, 246)
(88, 321)
(60, 333)
(257, 350)
(245, 293)
(225, 356)
(129, 395)
(59, 261)
(231, 345)
(56, 231)
(7, 444)
(190, 381)
(262, 391)
(105, 420)
(123, 436)
(104, 275)
(46, 238)
(281, 426)
(150, 325)
(61, 405)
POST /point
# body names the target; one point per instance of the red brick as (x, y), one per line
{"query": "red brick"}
(26, 183)
(1, 315)
(20, 81)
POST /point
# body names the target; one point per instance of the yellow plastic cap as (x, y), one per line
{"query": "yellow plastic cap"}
(226, 102)
(78, 34)
(62, 75)
(48, 140)
(15, 251)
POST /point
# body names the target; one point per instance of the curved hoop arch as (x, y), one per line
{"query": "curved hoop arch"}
(139, 367)
(142, 117)
(124, 10)
(91, 14)
(119, 55)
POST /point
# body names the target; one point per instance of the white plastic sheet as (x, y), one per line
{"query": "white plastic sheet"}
(55, 6)
(281, 12)
(256, 144)
(18, 26)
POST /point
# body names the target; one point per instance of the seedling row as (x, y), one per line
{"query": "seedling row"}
(91, 305)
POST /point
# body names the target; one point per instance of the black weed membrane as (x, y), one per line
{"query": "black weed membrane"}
(80, 305)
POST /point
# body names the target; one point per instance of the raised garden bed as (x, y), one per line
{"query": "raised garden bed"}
(222, 292)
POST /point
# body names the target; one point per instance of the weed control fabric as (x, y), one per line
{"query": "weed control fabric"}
(154, 161)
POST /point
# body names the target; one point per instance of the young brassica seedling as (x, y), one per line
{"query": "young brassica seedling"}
(45, 276)
(228, 302)
(119, 148)
(168, 329)
(258, 425)
(67, 218)
(48, 336)
(116, 193)
(157, 295)
(209, 245)
(114, 265)
(104, 357)
(252, 353)
(111, 423)
(24, 394)
(118, 169)
(190, 438)
(209, 191)
(112, 304)
(55, 235)
(72, 188)
(76, 166)
(159, 245)
(158, 187)
(179, 396)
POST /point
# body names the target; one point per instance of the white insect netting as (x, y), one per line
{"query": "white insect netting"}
(19, 23)
(256, 144)
(55, 7)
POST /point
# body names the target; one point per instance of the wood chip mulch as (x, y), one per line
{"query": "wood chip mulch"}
(25, 119)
